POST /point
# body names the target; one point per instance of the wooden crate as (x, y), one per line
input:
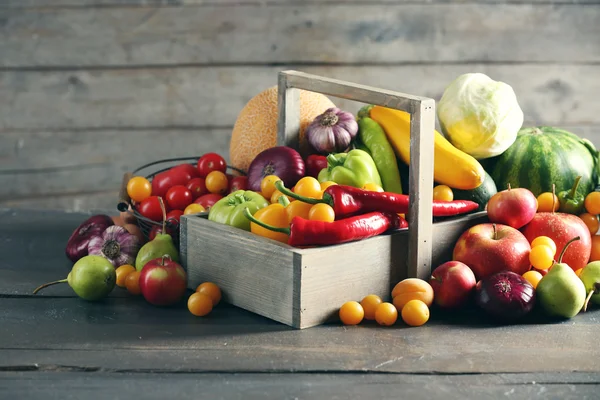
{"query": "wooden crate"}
(305, 287)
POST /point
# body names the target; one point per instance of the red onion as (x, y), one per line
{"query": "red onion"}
(115, 244)
(284, 162)
(332, 131)
(505, 295)
(77, 245)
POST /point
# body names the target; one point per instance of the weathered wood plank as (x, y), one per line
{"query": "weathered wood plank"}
(548, 94)
(34, 172)
(313, 33)
(229, 3)
(60, 384)
(448, 343)
(51, 163)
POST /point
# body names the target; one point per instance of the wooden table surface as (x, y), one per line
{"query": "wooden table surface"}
(56, 346)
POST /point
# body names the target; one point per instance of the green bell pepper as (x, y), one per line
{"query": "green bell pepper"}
(230, 209)
(571, 202)
(355, 168)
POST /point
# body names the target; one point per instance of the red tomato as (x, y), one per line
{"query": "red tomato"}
(208, 200)
(175, 215)
(238, 183)
(197, 186)
(314, 164)
(165, 180)
(211, 162)
(179, 197)
(189, 171)
(150, 208)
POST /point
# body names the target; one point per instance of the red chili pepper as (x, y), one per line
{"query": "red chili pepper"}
(348, 200)
(304, 232)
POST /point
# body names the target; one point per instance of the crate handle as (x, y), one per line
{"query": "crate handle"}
(422, 125)
(124, 199)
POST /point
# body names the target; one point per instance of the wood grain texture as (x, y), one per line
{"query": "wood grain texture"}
(213, 97)
(285, 33)
(62, 383)
(49, 163)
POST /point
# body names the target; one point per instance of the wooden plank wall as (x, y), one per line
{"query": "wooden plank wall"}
(90, 89)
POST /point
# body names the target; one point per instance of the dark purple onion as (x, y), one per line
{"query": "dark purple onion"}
(282, 161)
(77, 245)
(505, 295)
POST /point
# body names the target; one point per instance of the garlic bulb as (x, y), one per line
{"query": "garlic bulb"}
(115, 244)
(332, 131)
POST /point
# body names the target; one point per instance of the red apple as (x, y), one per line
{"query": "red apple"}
(163, 281)
(561, 228)
(512, 207)
(452, 283)
(489, 248)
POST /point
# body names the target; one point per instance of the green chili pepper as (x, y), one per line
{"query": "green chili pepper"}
(230, 209)
(571, 202)
(374, 138)
(355, 168)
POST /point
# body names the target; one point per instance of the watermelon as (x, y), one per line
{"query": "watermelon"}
(480, 195)
(541, 156)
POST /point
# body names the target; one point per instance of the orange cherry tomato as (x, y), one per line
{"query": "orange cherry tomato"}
(122, 273)
(211, 290)
(369, 304)
(132, 283)
(592, 203)
(591, 221)
(297, 208)
(386, 314)
(193, 208)
(351, 313)
(217, 182)
(139, 188)
(267, 185)
(200, 304)
(415, 313)
(595, 254)
(547, 203)
(309, 187)
(321, 212)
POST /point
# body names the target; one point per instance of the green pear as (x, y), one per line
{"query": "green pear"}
(590, 276)
(560, 292)
(160, 246)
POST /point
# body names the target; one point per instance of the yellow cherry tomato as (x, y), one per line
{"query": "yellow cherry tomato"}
(122, 273)
(193, 208)
(274, 215)
(351, 313)
(373, 187)
(217, 182)
(211, 290)
(533, 277)
(547, 202)
(369, 304)
(443, 193)
(592, 203)
(545, 240)
(321, 212)
(267, 185)
(308, 187)
(386, 314)
(139, 188)
(200, 304)
(415, 313)
(297, 209)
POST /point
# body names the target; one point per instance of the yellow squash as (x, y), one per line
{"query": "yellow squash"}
(451, 166)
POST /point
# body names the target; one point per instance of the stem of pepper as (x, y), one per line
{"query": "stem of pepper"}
(279, 186)
(249, 215)
(574, 188)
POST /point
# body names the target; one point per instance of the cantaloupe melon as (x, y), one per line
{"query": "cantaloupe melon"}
(255, 129)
